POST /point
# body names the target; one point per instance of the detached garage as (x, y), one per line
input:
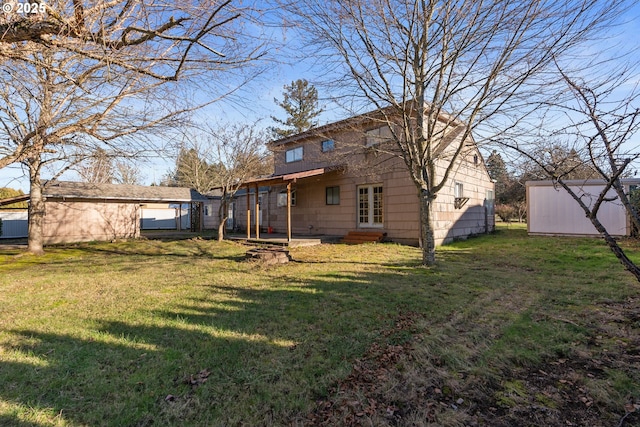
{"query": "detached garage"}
(552, 211)
(76, 212)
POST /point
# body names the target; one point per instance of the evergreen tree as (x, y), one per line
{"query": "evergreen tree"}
(193, 171)
(497, 169)
(301, 105)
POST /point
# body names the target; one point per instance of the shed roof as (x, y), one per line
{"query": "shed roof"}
(580, 182)
(133, 193)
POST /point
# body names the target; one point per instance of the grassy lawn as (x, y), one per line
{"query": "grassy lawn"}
(507, 330)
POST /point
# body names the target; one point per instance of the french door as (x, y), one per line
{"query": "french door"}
(370, 206)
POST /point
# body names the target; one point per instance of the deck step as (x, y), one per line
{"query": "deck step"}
(357, 237)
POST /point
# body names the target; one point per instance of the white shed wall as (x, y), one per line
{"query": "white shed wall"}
(160, 219)
(551, 210)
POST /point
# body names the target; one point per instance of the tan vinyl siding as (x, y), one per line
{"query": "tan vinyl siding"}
(81, 221)
(366, 166)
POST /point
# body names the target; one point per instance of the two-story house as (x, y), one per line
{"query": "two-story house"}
(345, 176)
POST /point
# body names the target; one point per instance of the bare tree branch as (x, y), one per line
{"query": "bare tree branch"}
(444, 70)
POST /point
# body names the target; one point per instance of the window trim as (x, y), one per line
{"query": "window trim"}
(458, 189)
(458, 195)
(371, 206)
(376, 136)
(335, 194)
(329, 147)
(283, 204)
(294, 156)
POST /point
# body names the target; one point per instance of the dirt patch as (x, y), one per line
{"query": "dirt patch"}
(387, 387)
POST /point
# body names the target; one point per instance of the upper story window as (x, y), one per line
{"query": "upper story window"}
(377, 136)
(293, 155)
(328, 145)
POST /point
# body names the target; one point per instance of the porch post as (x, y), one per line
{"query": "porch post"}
(289, 211)
(248, 214)
(257, 212)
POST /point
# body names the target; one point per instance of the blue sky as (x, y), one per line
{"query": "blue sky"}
(256, 102)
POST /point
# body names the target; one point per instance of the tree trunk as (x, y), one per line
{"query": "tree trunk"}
(222, 214)
(622, 257)
(615, 248)
(36, 210)
(221, 229)
(427, 235)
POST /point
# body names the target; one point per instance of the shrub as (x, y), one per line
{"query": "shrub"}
(506, 212)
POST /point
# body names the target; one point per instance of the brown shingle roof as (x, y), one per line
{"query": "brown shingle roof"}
(134, 193)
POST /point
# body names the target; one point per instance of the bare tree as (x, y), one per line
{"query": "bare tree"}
(242, 151)
(102, 167)
(601, 118)
(443, 70)
(97, 169)
(126, 172)
(238, 151)
(79, 77)
(155, 38)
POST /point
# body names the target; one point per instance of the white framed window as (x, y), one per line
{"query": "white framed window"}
(328, 145)
(370, 206)
(281, 202)
(294, 155)
(458, 190)
(377, 136)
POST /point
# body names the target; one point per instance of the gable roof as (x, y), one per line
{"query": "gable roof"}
(133, 193)
(357, 120)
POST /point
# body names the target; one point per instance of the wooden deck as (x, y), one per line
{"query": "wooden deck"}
(281, 240)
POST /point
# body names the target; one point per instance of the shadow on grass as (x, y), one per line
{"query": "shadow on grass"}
(235, 355)
(239, 354)
(12, 422)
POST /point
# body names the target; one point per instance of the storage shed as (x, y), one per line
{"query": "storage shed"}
(76, 211)
(552, 211)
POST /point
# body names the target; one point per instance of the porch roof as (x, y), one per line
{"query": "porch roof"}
(275, 180)
(285, 178)
(12, 200)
